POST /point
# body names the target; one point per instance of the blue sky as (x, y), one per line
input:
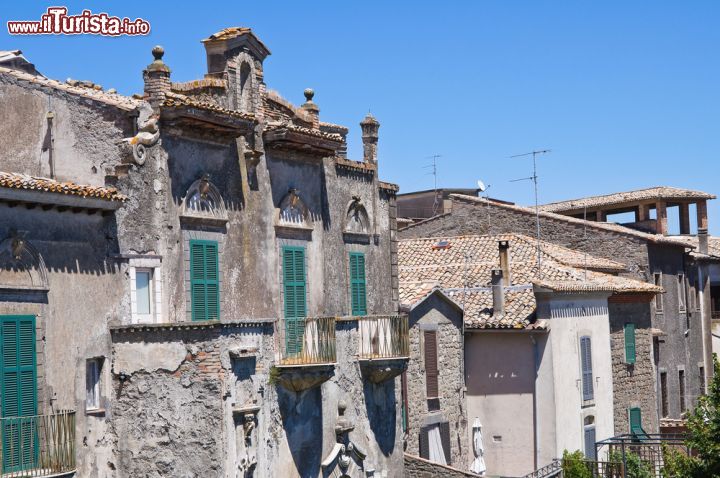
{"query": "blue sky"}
(624, 93)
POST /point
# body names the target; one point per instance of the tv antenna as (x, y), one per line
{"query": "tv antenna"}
(534, 179)
(483, 188)
(433, 165)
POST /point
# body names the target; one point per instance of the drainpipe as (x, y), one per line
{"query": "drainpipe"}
(536, 427)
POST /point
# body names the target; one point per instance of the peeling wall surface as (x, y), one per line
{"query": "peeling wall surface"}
(179, 397)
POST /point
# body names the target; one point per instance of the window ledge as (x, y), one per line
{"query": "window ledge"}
(96, 412)
(199, 219)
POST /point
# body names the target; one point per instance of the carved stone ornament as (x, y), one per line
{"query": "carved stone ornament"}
(147, 136)
(346, 458)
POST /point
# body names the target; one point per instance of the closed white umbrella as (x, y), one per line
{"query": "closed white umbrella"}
(478, 465)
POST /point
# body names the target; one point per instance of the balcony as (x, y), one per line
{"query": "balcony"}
(39, 445)
(384, 346)
(307, 352)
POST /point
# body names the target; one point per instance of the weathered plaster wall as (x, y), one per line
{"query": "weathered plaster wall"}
(416, 467)
(154, 419)
(84, 133)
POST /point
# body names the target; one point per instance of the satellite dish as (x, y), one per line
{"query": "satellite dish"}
(481, 186)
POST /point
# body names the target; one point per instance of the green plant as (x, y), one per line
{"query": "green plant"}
(703, 438)
(635, 467)
(274, 375)
(574, 465)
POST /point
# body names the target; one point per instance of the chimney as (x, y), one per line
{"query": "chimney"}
(498, 293)
(702, 240)
(370, 127)
(157, 79)
(504, 248)
(311, 108)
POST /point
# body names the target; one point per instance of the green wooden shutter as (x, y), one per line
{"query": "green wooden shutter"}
(19, 392)
(293, 260)
(358, 286)
(635, 418)
(629, 343)
(204, 280)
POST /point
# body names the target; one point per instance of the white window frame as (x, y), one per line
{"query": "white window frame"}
(93, 380)
(153, 267)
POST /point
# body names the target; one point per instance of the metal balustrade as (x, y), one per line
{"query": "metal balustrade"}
(384, 337)
(39, 445)
(307, 341)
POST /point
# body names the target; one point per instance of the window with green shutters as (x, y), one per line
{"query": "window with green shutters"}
(204, 280)
(19, 391)
(358, 286)
(294, 287)
(635, 418)
(630, 343)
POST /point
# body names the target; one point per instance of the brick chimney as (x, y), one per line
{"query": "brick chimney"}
(157, 79)
(370, 127)
(311, 108)
(498, 293)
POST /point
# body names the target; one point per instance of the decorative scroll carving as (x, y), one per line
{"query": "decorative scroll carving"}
(147, 136)
(346, 458)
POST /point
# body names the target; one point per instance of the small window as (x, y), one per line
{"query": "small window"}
(587, 373)
(658, 297)
(204, 280)
(663, 395)
(630, 343)
(92, 383)
(145, 288)
(682, 293)
(589, 437)
(681, 381)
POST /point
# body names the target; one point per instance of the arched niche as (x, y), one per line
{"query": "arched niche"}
(292, 210)
(204, 201)
(21, 265)
(357, 220)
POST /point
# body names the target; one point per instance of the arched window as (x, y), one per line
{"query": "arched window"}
(293, 210)
(203, 199)
(245, 87)
(356, 219)
(21, 265)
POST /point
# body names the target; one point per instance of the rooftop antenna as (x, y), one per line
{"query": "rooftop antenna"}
(482, 187)
(433, 165)
(534, 179)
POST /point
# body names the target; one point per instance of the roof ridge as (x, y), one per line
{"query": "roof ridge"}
(616, 228)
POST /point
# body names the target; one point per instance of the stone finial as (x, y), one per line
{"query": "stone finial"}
(370, 127)
(311, 108)
(157, 79)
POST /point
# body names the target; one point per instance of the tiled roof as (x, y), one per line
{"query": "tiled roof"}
(93, 92)
(32, 183)
(392, 187)
(361, 166)
(713, 244)
(659, 192)
(302, 130)
(469, 261)
(606, 226)
(174, 100)
(199, 84)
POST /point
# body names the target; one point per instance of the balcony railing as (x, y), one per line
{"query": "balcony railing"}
(384, 337)
(307, 341)
(39, 445)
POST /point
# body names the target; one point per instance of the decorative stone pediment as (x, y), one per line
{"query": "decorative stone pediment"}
(204, 203)
(21, 265)
(346, 460)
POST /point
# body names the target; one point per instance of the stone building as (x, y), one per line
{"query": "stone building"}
(677, 329)
(206, 284)
(534, 372)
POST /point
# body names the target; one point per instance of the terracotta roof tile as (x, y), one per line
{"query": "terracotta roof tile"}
(22, 181)
(302, 130)
(174, 100)
(113, 99)
(659, 192)
(469, 261)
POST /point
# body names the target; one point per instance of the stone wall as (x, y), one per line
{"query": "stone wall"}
(416, 467)
(437, 314)
(634, 385)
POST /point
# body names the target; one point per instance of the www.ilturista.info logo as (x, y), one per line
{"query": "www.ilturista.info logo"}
(57, 22)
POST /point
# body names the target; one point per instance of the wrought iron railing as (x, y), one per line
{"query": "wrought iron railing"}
(384, 337)
(39, 445)
(307, 341)
(548, 471)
